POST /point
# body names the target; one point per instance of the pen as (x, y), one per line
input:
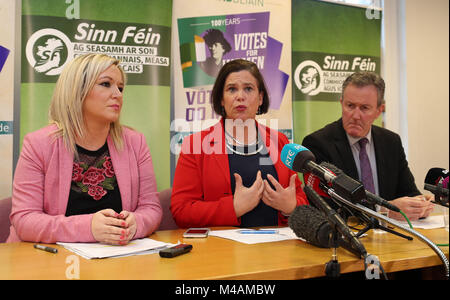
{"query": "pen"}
(262, 231)
(45, 248)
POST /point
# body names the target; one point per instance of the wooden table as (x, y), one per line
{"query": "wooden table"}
(217, 258)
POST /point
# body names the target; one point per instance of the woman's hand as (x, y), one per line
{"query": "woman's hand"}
(245, 199)
(130, 224)
(282, 199)
(108, 228)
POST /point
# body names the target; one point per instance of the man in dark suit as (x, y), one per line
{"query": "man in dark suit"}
(366, 152)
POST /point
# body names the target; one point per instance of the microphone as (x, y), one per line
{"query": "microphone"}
(374, 199)
(311, 225)
(335, 219)
(299, 159)
(436, 182)
(437, 175)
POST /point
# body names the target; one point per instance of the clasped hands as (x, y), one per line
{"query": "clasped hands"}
(282, 199)
(109, 227)
(414, 207)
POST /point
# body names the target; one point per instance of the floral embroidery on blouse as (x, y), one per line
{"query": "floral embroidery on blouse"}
(94, 180)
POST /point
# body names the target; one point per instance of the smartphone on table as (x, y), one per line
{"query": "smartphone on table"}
(196, 233)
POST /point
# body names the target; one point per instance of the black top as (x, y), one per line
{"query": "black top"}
(94, 185)
(247, 167)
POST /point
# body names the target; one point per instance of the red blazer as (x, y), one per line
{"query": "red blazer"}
(201, 194)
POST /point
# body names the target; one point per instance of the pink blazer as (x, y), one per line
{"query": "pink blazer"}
(42, 184)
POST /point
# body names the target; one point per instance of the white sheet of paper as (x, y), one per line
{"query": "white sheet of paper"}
(430, 222)
(97, 250)
(283, 234)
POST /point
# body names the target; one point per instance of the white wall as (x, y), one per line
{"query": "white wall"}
(416, 70)
(427, 68)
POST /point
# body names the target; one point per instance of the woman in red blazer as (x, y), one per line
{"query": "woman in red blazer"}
(231, 173)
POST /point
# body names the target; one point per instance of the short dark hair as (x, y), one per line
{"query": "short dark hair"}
(236, 66)
(362, 79)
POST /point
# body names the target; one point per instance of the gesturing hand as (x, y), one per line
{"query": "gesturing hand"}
(245, 199)
(282, 199)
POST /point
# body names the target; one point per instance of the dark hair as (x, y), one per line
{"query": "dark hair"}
(362, 79)
(236, 66)
(213, 36)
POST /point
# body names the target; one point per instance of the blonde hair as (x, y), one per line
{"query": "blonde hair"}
(72, 87)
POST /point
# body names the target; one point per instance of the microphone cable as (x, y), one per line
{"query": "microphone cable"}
(410, 226)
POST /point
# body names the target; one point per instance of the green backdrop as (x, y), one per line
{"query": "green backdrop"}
(146, 97)
(337, 30)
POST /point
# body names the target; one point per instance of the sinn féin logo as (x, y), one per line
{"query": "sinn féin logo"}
(308, 78)
(48, 50)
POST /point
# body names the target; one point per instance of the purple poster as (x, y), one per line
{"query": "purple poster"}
(206, 43)
(4, 52)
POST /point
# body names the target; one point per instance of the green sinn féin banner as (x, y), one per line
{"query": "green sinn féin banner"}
(329, 42)
(136, 32)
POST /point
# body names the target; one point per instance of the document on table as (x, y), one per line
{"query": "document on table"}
(97, 250)
(284, 233)
(429, 222)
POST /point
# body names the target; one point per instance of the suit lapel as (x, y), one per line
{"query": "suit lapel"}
(382, 174)
(216, 140)
(65, 175)
(121, 169)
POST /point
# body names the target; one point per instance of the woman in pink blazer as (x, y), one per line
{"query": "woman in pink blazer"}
(85, 177)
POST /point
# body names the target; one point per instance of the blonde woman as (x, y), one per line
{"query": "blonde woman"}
(85, 177)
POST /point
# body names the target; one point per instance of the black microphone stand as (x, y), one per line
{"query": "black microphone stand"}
(354, 191)
(375, 224)
(333, 268)
(338, 227)
(370, 212)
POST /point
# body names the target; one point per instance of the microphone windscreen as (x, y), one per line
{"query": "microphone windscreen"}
(311, 225)
(295, 156)
(436, 176)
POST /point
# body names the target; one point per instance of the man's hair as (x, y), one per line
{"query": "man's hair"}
(362, 79)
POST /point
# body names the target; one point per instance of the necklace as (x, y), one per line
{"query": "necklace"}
(236, 151)
(238, 142)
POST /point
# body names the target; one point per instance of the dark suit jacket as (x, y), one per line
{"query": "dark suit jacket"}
(395, 180)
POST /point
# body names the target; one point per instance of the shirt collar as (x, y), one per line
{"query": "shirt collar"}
(354, 140)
